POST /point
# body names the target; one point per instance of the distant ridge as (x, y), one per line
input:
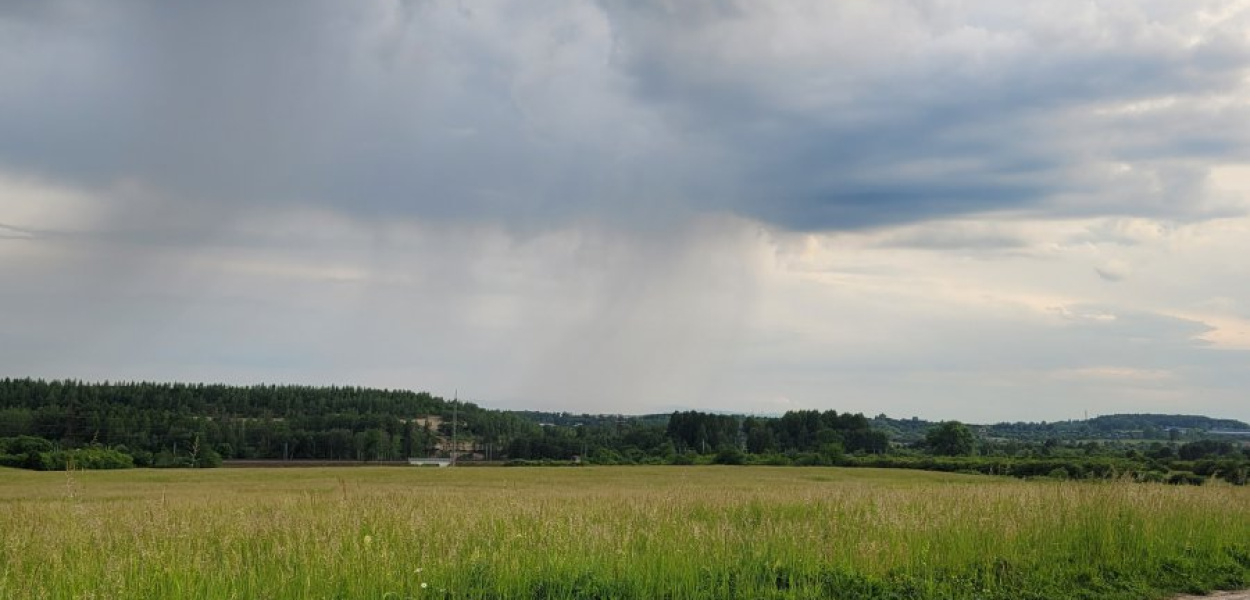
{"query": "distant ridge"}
(1162, 421)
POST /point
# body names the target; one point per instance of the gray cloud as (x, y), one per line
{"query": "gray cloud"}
(807, 115)
(531, 197)
(855, 116)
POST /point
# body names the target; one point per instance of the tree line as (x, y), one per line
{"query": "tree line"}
(58, 424)
(174, 424)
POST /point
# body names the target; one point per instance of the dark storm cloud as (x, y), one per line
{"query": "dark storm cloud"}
(806, 115)
(927, 119)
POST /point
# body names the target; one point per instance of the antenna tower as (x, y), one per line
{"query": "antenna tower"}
(455, 395)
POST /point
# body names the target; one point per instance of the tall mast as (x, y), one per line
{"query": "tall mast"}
(455, 395)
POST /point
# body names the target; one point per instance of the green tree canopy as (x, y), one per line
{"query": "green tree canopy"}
(950, 438)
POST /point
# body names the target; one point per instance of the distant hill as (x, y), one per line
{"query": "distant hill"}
(1158, 421)
(1122, 426)
(1145, 426)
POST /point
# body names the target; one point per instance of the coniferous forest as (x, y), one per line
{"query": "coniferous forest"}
(52, 425)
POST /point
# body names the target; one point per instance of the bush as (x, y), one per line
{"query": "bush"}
(60, 460)
(729, 455)
(88, 459)
(208, 459)
(606, 456)
(833, 452)
(37, 461)
(773, 460)
(23, 444)
(1185, 478)
(685, 458)
(1205, 448)
(1152, 477)
(166, 460)
(811, 459)
(142, 458)
(1236, 476)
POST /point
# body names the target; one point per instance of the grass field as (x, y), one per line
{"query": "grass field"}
(610, 532)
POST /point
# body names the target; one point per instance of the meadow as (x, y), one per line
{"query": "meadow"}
(611, 532)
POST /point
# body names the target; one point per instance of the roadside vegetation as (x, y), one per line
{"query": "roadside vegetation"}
(601, 532)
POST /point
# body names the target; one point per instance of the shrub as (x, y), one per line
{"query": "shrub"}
(142, 458)
(811, 459)
(166, 459)
(1152, 477)
(37, 461)
(208, 459)
(685, 458)
(729, 455)
(23, 444)
(1186, 478)
(88, 458)
(774, 460)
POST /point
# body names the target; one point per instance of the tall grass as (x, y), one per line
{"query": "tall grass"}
(668, 532)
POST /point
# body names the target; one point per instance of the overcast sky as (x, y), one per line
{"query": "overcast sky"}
(968, 209)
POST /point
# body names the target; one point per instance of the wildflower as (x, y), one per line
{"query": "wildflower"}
(424, 585)
(368, 540)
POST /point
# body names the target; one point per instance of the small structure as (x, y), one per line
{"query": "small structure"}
(427, 462)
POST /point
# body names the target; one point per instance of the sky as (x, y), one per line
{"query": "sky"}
(951, 209)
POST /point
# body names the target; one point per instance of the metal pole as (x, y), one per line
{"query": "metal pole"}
(455, 395)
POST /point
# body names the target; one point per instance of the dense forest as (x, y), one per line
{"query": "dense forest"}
(171, 424)
(60, 424)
